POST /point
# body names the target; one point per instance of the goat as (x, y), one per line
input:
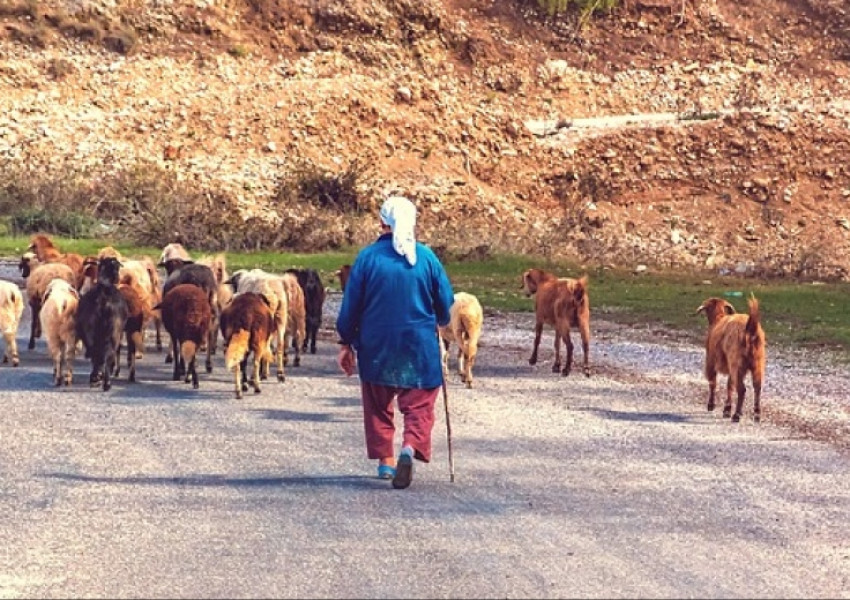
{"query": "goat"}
(464, 329)
(314, 300)
(734, 345)
(203, 277)
(218, 265)
(38, 275)
(58, 321)
(186, 313)
(42, 246)
(149, 288)
(101, 316)
(173, 257)
(562, 303)
(139, 312)
(247, 326)
(11, 309)
(343, 273)
(272, 288)
(296, 323)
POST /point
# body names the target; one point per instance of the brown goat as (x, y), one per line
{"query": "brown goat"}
(735, 345)
(562, 303)
(47, 252)
(343, 273)
(247, 326)
(186, 314)
(138, 314)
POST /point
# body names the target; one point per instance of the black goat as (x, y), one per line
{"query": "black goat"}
(101, 317)
(314, 300)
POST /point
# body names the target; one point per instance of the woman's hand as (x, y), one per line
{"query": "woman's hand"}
(346, 360)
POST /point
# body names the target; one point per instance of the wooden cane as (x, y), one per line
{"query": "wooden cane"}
(446, 403)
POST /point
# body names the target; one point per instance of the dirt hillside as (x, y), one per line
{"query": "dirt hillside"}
(699, 133)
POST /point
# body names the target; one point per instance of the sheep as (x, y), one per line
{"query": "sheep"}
(38, 275)
(296, 323)
(58, 321)
(203, 277)
(186, 313)
(42, 246)
(562, 303)
(145, 273)
(139, 312)
(314, 300)
(11, 309)
(247, 326)
(343, 273)
(273, 289)
(101, 317)
(734, 345)
(464, 329)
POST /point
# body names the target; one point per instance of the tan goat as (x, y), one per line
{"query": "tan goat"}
(464, 329)
(58, 322)
(734, 346)
(11, 309)
(562, 303)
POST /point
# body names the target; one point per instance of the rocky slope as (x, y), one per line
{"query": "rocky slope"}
(695, 133)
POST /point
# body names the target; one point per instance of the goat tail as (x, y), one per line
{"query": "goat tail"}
(188, 350)
(754, 320)
(237, 348)
(580, 290)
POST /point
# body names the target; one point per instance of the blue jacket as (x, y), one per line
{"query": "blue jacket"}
(390, 312)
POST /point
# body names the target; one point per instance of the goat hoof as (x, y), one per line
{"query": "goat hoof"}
(586, 372)
(5, 359)
(168, 359)
(736, 418)
(281, 377)
(195, 385)
(106, 386)
(209, 368)
(710, 407)
(757, 418)
(256, 390)
(31, 345)
(727, 412)
(532, 361)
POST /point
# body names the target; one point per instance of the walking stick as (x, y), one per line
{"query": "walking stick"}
(446, 403)
(449, 433)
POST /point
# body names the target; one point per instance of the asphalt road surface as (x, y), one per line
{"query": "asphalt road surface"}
(620, 485)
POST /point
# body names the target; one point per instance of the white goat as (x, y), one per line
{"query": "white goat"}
(11, 309)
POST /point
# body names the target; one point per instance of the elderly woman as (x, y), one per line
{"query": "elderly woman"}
(397, 294)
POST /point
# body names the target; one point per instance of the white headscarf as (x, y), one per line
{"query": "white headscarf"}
(400, 214)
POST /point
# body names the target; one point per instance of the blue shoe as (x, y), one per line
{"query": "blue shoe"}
(403, 472)
(386, 472)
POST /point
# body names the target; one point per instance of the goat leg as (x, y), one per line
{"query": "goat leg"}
(538, 331)
(739, 406)
(727, 407)
(556, 366)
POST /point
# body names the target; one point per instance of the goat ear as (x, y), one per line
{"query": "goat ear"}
(700, 309)
(728, 309)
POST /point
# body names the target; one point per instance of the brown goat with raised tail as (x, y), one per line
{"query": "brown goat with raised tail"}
(562, 302)
(735, 345)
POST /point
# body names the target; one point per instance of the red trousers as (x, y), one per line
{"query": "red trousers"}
(417, 407)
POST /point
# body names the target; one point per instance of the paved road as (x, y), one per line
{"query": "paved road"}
(616, 486)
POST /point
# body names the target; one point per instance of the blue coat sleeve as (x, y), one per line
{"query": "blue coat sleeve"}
(443, 293)
(348, 320)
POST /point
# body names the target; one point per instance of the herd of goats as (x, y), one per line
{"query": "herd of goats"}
(95, 302)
